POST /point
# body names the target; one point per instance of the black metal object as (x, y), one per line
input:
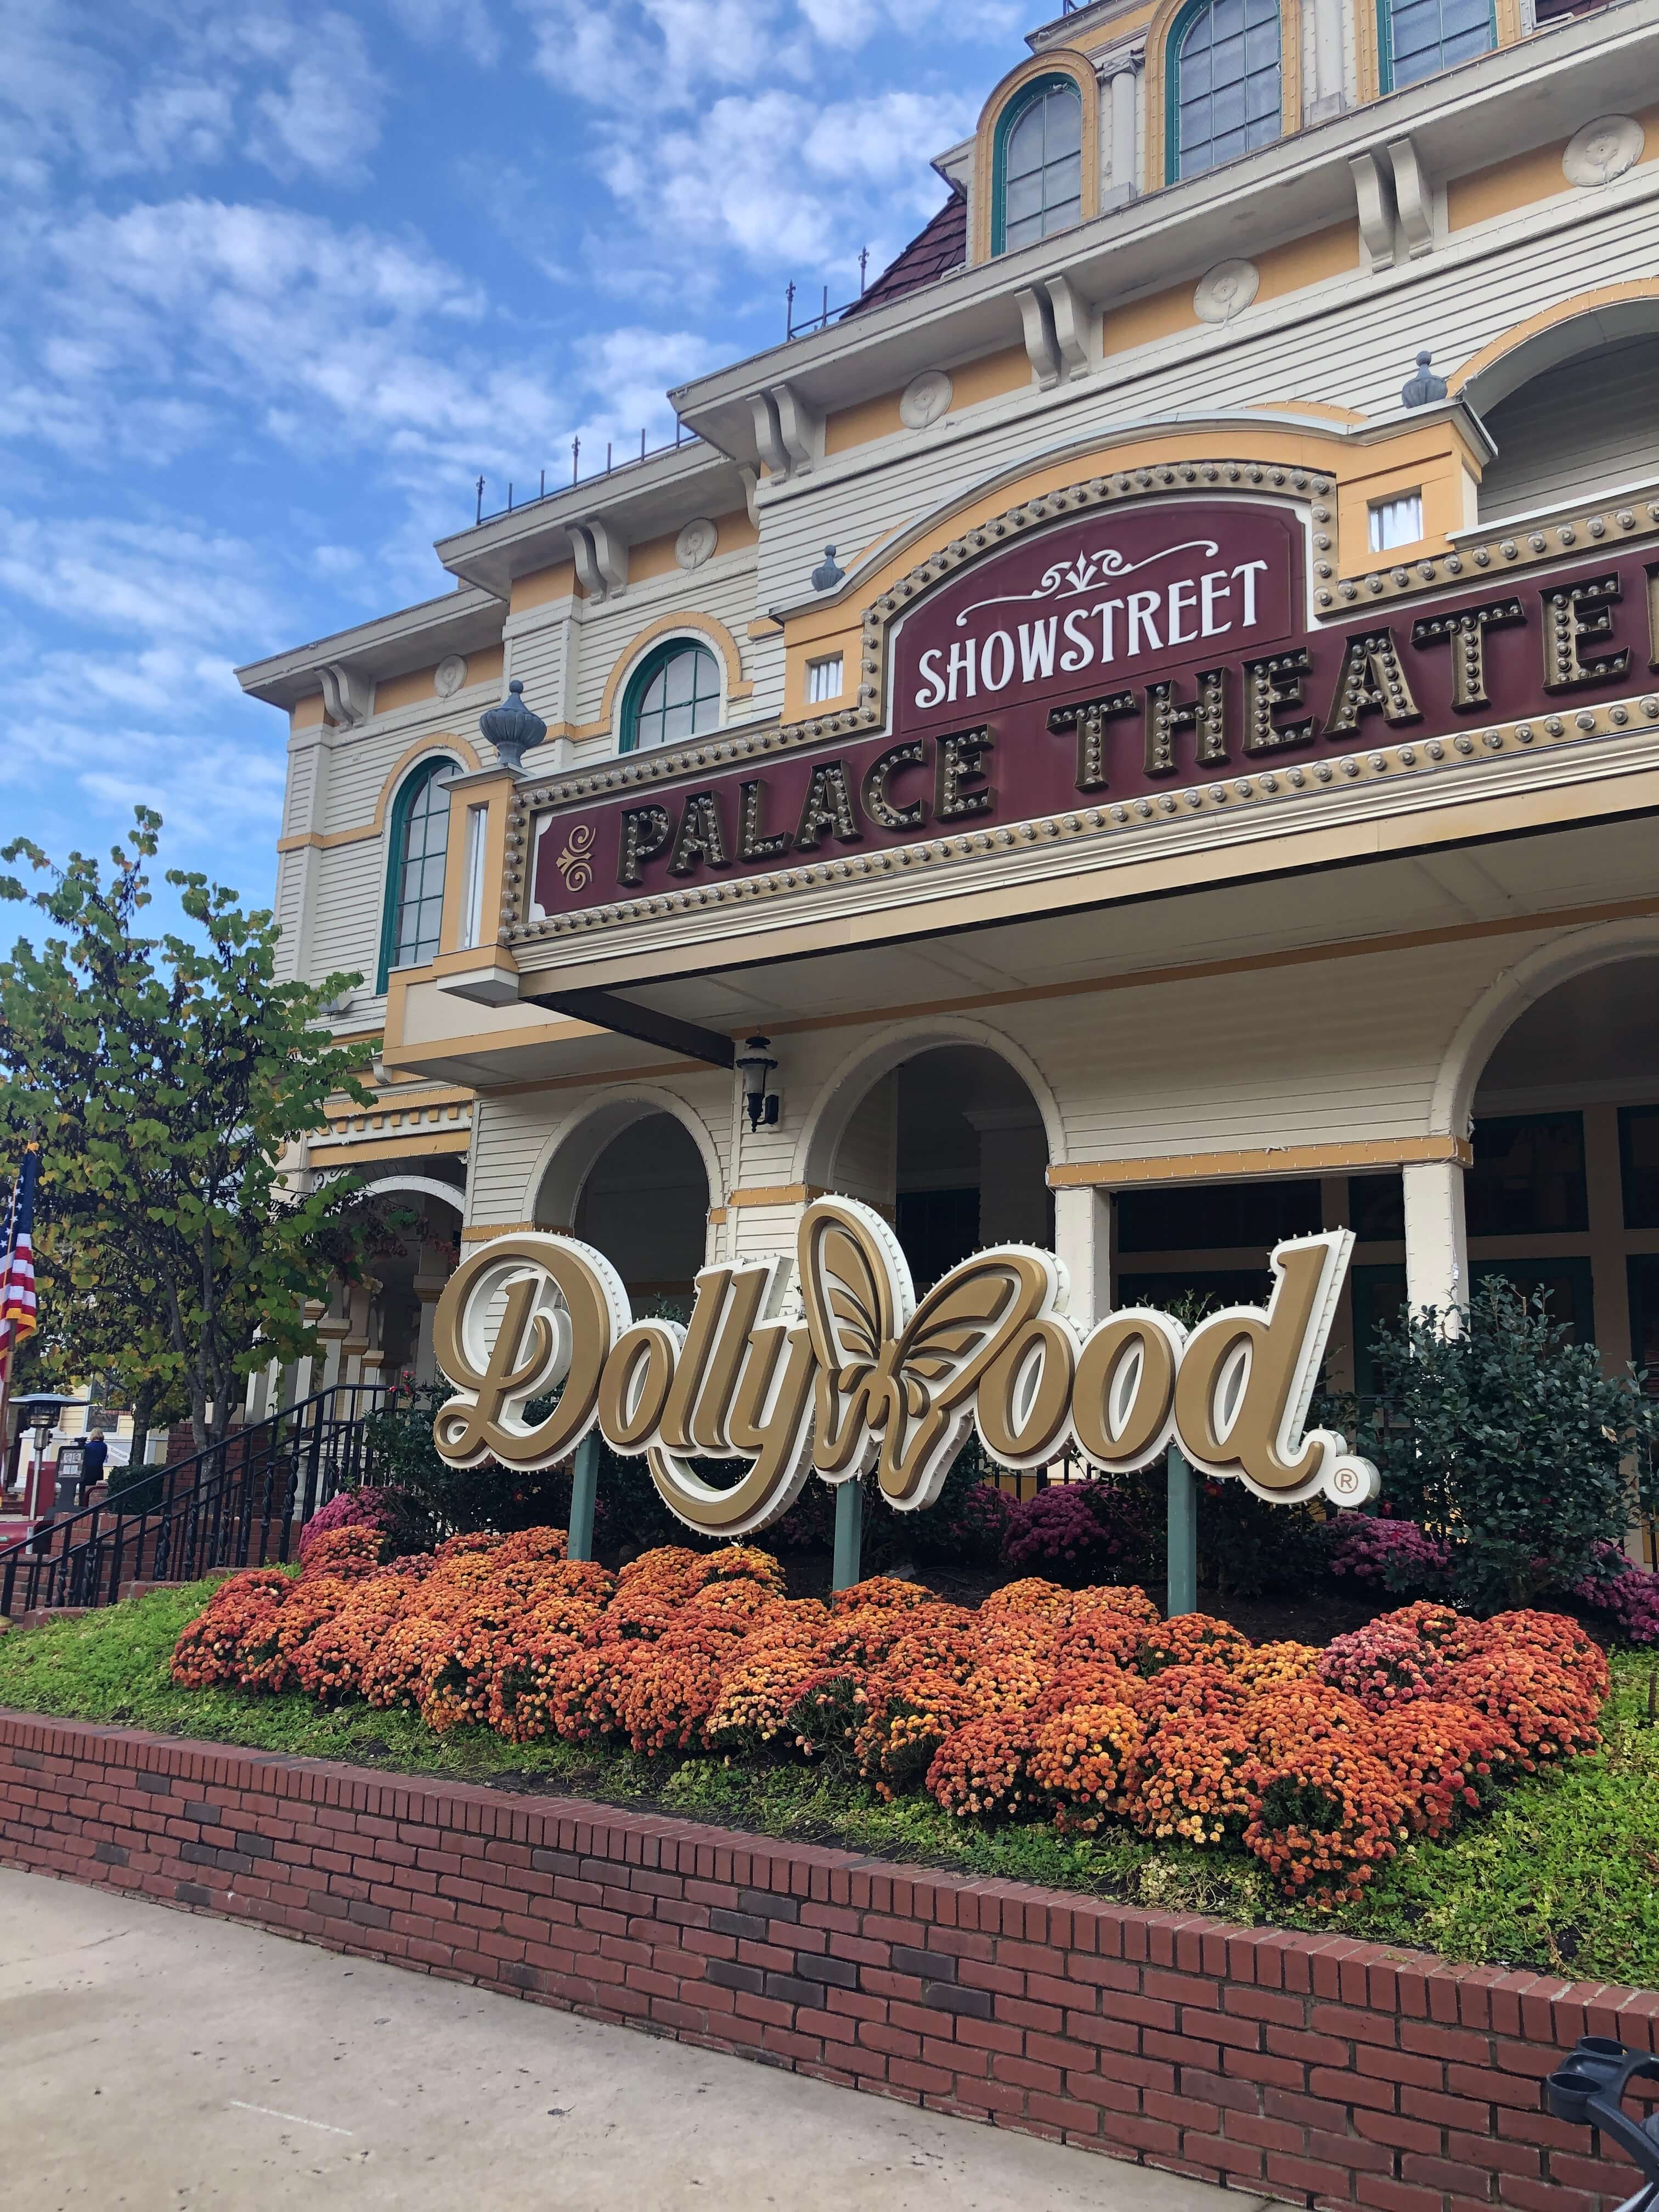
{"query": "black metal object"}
(239, 1503)
(606, 1010)
(1588, 2091)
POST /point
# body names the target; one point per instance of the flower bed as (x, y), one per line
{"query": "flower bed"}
(1076, 1708)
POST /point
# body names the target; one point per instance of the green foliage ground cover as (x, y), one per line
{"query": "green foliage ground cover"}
(1563, 1876)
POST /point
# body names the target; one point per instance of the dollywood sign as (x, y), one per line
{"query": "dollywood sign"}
(852, 1372)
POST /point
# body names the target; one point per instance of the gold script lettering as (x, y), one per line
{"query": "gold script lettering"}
(873, 1377)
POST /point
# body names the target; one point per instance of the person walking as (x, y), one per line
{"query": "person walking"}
(94, 1453)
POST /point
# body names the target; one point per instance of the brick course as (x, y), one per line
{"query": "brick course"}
(1316, 2070)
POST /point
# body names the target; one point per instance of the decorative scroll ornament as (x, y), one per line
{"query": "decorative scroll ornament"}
(1087, 572)
(574, 862)
(871, 1378)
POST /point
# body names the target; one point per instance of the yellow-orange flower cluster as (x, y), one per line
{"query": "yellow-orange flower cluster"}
(1078, 1707)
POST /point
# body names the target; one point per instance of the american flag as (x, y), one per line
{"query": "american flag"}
(17, 1308)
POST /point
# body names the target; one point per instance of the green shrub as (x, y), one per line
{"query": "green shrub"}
(1506, 1442)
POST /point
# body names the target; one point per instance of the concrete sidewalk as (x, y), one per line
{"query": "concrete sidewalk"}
(159, 2062)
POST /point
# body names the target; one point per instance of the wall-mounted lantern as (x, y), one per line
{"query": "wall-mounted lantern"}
(755, 1064)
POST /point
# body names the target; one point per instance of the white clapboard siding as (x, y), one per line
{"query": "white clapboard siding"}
(611, 633)
(1352, 341)
(514, 1132)
(1576, 432)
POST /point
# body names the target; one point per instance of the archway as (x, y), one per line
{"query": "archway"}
(410, 1265)
(950, 1142)
(644, 1203)
(1569, 414)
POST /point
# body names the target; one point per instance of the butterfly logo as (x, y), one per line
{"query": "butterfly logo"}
(896, 1380)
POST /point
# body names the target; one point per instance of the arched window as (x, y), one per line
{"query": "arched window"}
(1038, 185)
(414, 873)
(1420, 37)
(674, 693)
(1223, 83)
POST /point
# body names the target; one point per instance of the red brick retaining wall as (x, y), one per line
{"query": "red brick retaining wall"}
(1316, 2070)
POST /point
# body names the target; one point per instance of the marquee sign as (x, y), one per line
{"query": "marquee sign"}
(867, 1376)
(1113, 656)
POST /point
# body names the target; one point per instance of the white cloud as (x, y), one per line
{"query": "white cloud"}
(160, 581)
(92, 92)
(652, 55)
(324, 115)
(445, 24)
(788, 182)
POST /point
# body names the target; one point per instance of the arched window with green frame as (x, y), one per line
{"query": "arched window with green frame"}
(674, 693)
(1223, 88)
(417, 848)
(1417, 39)
(1038, 164)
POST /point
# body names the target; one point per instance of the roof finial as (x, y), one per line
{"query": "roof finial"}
(1424, 388)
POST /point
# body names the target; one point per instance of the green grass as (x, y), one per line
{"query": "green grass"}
(1563, 1876)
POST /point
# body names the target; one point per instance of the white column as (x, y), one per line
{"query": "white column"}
(429, 1281)
(1085, 1233)
(1328, 96)
(1123, 172)
(1436, 1242)
(1013, 1154)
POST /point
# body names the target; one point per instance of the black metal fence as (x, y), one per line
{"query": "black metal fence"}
(242, 1502)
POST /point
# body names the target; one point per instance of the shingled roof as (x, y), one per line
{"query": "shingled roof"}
(939, 247)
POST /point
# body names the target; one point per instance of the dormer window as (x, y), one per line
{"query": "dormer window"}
(1038, 186)
(1225, 93)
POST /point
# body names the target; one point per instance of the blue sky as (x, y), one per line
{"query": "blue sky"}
(279, 280)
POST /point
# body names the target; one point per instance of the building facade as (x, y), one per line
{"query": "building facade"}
(1203, 793)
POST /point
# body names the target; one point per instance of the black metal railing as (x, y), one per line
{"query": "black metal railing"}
(241, 1503)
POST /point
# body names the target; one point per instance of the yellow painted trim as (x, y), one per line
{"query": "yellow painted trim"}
(412, 1097)
(1157, 80)
(991, 376)
(1053, 61)
(480, 1232)
(1114, 33)
(1437, 452)
(1265, 1160)
(540, 587)
(777, 1193)
(1525, 180)
(1331, 413)
(368, 1149)
(483, 665)
(441, 741)
(707, 626)
(495, 798)
(307, 714)
(1560, 311)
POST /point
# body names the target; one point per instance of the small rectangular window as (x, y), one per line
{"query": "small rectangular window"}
(1397, 521)
(823, 679)
(477, 820)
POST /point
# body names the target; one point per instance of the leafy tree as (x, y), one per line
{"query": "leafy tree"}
(167, 1080)
(1506, 1440)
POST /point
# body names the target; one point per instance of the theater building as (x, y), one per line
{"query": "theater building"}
(1208, 791)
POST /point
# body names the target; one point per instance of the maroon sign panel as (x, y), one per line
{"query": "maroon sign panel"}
(1106, 659)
